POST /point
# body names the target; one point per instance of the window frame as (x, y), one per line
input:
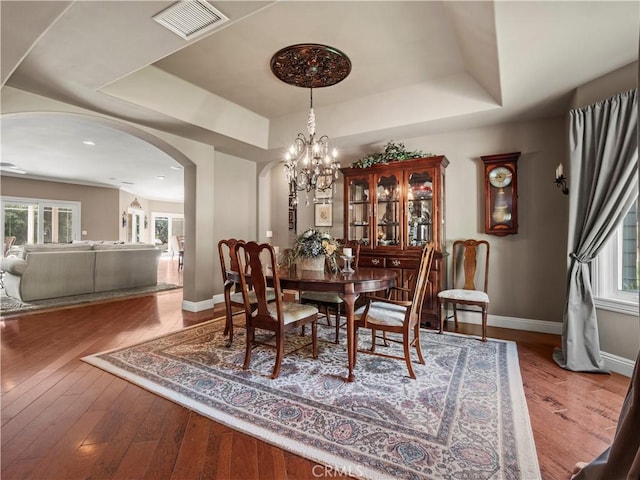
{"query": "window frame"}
(43, 203)
(606, 275)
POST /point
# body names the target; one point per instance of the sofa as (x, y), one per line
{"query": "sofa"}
(36, 272)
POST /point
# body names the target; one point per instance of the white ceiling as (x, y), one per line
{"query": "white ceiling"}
(418, 67)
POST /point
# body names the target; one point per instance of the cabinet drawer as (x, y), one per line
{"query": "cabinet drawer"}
(371, 262)
(409, 263)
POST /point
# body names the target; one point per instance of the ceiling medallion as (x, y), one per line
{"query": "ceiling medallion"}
(310, 65)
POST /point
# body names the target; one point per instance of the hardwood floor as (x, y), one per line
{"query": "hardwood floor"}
(62, 418)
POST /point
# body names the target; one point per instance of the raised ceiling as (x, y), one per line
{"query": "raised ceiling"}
(417, 67)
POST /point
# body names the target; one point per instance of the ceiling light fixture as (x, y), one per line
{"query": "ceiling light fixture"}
(89, 143)
(309, 165)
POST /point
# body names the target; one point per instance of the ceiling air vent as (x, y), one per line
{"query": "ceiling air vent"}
(190, 18)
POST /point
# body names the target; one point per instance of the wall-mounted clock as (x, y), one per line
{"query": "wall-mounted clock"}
(501, 193)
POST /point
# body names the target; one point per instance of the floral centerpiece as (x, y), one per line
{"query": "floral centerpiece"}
(313, 244)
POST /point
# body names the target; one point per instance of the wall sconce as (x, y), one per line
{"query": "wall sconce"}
(124, 219)
(146, 222)
(561, 180)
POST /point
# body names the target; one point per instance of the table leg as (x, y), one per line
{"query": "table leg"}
(349, 297)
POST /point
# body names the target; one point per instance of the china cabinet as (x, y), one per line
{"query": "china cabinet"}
(393, 210)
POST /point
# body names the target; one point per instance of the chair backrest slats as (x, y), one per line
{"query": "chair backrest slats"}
(419, 288)
(471, 255)
(255, 260)
(228, 261)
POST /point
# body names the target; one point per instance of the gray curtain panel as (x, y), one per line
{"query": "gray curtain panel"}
(603, 184)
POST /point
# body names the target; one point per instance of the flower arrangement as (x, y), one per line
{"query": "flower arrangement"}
(313, 244)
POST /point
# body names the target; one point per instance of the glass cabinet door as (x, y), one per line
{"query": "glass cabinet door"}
(388, 210)
(359, 213)
(419, 209)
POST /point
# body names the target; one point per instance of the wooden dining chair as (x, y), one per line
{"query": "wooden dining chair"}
(398, 316)
(328, 300)
(232, 288)
(257, 262)
(475, 262)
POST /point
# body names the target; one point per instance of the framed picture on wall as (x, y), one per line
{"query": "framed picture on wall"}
(324, 215)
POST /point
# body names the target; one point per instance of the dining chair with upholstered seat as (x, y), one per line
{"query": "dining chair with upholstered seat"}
(331, 300)
(475, 263)
(257, 264)
(232, 288)
(398, 316)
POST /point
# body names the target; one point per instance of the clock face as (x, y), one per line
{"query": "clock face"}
(500, 177)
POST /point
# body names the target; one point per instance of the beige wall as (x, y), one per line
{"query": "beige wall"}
(526, 275)
(235, 194)
(99, 206)
(601, 88)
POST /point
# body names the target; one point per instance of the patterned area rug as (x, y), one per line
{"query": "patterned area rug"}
(11, 306)
(465, 417)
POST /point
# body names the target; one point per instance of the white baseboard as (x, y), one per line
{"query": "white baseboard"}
(515, 323)
(616, 364)
(219, 298)
(200, 306)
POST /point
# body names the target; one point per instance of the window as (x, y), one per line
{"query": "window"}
(615, 272)
(166, 226)
(40, 221)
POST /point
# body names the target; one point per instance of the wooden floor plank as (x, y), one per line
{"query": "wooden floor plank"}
(193, 449)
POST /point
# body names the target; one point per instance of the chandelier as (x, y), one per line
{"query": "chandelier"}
(310, 164)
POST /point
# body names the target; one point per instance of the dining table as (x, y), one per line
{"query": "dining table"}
(348, 285)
